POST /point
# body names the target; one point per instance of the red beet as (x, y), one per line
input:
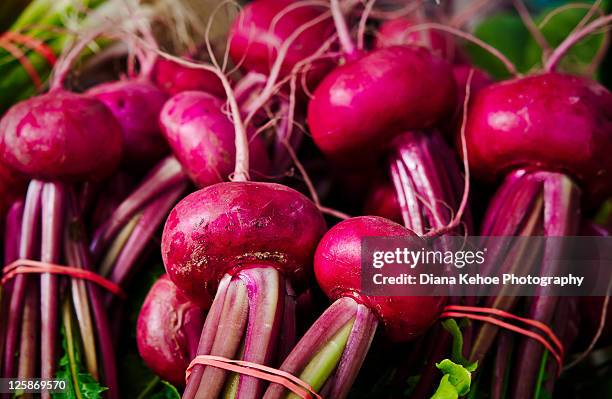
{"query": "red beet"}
(202, 137)
(395, 32)
(174, 78)
(168, 331)
(338, 271)
(219, 228)
(61, 136)
(136, 104)
(549, 122)
(360, 106)
(254, 40)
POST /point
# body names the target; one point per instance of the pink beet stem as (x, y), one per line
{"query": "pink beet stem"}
(53, 216)
(77, 255)
(357, 347)
(168, 173)
(27, 250)
(326, 326)
(265, 288)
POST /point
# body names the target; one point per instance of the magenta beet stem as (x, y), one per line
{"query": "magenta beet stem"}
(427, 180)
(77, 255)
(27, 250)
(12, 237)
(323, 329)
(168, 173)
(561, 218)
(53, 216)
(356, 349)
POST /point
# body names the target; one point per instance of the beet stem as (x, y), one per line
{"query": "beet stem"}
(53, 215)
(288, 338)
(501, 368)
(265, 288)
(320, 333)
(151, 218)
(227, 339)
(357, 347)
(12, 237)
(77, 255)
(167, 173)
(27, 250)
(28, 351)
(209, 331)
(561, 217)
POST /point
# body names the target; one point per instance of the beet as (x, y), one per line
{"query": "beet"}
(216, 229)
(395, 32)
(174, 78)
(136, 105)
(168, 331)
(349, 121)
(202, 137)
(549, 122)
(338, 271)
(61, 136)
(254, 42)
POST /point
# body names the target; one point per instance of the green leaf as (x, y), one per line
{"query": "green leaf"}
(455, 382)
(73, 370)
(507, 34)
(556, 30)
(452, 327)
(168, 391)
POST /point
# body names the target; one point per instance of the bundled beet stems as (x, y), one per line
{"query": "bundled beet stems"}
(204, 138)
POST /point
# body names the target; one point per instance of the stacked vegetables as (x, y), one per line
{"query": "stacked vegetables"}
(190, 161)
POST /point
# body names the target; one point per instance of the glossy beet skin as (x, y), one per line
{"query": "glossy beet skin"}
(394, 32)
(173, 78)
(61, 136)
(136, 105)
(202, 137)
(360, 106)
(337, 268)
(168, 331)
(254, 41)
(219, 228)
(549, 122)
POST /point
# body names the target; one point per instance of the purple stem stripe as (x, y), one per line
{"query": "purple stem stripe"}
(167, 173)
(265, 287)
(28, 249)
(502, 364)
(227, 340)
(12, 237)
(53, 216)
(153, 216)
(354, 354)
(77, 255)
(326, 326)
(561, 218)
(288, 336)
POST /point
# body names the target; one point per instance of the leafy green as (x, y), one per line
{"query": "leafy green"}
(455, 382)
(557, 28)
(168, 391)
(452, 327)
(71, 370)
(507, 34)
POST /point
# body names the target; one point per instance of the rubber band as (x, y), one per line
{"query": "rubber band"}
(556, 349)
(28, 266)
(23, 60)
(289, 381)
(34, 44)
(502, 313)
